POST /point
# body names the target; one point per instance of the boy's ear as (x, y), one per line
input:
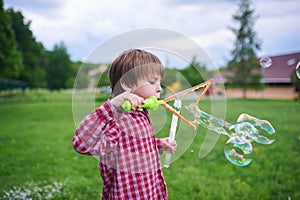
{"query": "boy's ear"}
(125, 87)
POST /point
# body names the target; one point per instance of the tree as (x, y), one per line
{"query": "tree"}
(104, 79)
(59, 67)
(10, 58)
(170, 76)
(195, 73)
(247, 73)
(82, 79)
(32, 51)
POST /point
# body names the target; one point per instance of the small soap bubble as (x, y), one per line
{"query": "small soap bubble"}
(298, 70)
(265, 62)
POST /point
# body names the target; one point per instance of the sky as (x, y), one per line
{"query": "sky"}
(83, 26)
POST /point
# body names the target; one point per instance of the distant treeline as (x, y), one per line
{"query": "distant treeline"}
(25, 62)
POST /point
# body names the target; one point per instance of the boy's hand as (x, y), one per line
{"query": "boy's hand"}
(170, 147)
(135, 100)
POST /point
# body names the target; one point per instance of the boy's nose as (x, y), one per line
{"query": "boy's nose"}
(158, 89)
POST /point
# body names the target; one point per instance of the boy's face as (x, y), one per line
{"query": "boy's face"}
(149, 86)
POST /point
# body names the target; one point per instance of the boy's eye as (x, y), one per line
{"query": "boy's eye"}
(156, 82)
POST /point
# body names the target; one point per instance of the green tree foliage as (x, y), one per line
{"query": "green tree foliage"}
(82, 79)
(104, 79)
(25, 59)
(31, 50)
(195, 73)
(10, 58)
(170, 76)
(59, 67)
(244, 63)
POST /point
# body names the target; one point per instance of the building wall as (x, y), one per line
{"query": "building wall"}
(270, 92)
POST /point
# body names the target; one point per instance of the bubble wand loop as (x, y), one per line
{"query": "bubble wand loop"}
(204, 85)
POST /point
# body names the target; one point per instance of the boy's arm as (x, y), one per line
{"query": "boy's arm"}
(97, 133)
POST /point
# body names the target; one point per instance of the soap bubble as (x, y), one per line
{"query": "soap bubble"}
(298, 70)
(265, 62)
(238, 148)
(236, 151)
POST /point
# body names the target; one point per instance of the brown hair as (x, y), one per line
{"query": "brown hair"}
(131, 66)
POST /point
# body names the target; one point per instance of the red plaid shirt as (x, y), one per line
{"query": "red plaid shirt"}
(128, 152)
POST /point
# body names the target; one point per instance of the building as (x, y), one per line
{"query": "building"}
(277, 79)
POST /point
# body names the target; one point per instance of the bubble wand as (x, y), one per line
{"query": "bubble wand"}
(153, 103)
(240, 135)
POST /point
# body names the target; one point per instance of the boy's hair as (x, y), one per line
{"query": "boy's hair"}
(131, 66)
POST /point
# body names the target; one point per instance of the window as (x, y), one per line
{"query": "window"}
(290, 62)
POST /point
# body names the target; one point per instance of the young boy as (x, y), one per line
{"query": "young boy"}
(125, 142)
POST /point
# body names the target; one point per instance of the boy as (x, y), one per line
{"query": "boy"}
(125, 142)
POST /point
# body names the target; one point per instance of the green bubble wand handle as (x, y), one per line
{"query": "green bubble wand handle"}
(150, 103)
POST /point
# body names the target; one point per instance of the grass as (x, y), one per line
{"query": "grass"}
(273, 173)
(36, 148)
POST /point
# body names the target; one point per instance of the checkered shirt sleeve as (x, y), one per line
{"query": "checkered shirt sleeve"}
(97, 133)
(128, 151)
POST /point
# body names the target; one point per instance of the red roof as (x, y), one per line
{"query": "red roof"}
(281, 69)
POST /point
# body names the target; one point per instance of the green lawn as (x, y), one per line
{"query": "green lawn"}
(36, 151)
